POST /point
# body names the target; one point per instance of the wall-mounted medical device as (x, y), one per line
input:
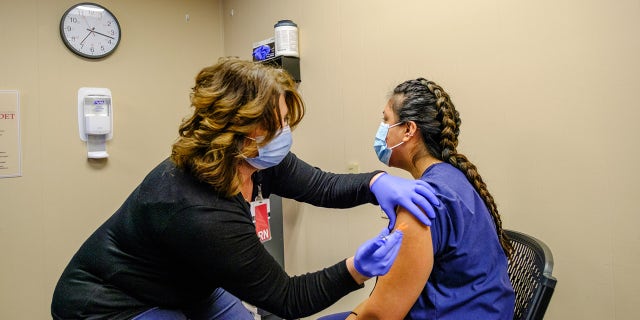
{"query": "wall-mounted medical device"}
(95, 120)
(281, 50)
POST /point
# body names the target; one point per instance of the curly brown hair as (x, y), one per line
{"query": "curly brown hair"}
(231, 99)
(429, 106)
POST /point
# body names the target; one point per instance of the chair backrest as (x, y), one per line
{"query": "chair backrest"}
(530, 271)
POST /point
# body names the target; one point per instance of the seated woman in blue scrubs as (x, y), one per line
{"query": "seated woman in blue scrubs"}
(457, 267)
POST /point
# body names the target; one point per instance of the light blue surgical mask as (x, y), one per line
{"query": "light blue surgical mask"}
(380, 143)
(274, 151)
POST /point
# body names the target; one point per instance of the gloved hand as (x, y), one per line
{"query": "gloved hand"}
(376, 256)
(412, 195)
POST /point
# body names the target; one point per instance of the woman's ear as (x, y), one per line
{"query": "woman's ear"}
(411, 129)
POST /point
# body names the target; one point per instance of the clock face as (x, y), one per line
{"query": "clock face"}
(90, 30)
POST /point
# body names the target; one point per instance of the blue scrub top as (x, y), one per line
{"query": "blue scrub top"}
(469, 279)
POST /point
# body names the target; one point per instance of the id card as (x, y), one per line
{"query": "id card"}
(261, 213)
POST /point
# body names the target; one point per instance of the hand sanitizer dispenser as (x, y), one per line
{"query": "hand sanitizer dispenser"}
(95, 120)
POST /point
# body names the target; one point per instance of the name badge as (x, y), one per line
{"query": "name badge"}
(261, 213)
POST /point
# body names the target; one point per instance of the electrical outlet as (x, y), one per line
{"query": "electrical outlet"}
(353, 167)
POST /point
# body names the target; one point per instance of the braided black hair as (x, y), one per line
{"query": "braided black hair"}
(429, 106)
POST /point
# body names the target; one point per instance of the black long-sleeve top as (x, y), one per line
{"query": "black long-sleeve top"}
(175, 239)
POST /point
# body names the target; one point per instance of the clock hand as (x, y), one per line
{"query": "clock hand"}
(100, 33)
(85, 21)
(85, 38)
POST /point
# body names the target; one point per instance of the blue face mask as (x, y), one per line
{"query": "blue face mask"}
(273, 152)
(380, 143)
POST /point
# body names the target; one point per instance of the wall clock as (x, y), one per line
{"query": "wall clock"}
(90, 30)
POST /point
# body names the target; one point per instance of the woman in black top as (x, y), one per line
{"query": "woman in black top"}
(187, 230)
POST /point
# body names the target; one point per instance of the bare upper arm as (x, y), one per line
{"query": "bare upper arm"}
(397, 291)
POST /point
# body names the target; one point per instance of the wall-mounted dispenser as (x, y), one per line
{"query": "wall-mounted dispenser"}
(286, 38)
(282, 50)
(95, 120)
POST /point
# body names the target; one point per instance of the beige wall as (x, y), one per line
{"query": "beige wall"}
(61, 197)
(545, 89)
(547, 93)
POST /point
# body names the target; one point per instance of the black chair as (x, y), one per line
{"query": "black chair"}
(530, 271)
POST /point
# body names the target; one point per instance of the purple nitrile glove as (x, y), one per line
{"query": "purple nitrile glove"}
(376, 256)
(413, 195)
